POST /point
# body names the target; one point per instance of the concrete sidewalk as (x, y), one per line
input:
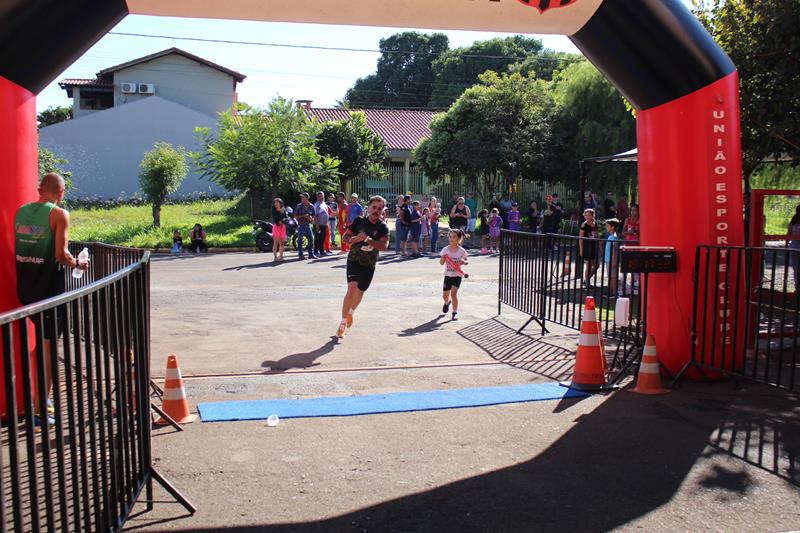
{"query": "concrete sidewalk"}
(702, 458)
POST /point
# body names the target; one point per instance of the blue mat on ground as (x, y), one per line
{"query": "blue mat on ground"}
(396, 402)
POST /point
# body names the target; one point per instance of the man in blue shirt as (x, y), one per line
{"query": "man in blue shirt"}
(354, 210)
(304, 214)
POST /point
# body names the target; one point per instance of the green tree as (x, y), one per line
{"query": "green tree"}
(760, 36)
(404, 77)
(457, 69)
(260, 150)
(50, 162)
(591, 120)
(162, 170)
(358, 149)
(497, 131)
(54, 115)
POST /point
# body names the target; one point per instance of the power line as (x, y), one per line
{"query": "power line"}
(334, 48)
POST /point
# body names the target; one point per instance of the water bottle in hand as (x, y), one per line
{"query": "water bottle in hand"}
(78, 272)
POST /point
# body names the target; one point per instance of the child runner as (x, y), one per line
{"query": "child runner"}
(426, 229)
(495, 223)
(366, 236)
(588, 248)
(452, 277)
(612, 254)
(514, 217)
(483, 214)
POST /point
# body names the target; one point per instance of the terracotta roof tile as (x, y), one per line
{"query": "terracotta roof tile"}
(80, 82)
(400, 129)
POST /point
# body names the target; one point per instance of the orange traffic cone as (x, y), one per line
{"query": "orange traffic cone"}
(175, 403)
(567, 266)
(649, 380)
(589, 374)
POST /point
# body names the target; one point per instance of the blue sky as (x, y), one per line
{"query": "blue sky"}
(319, 75)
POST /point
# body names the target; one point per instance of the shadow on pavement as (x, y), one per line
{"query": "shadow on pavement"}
(542, 356)
(301, 360)
(427, 327)
(618, 463)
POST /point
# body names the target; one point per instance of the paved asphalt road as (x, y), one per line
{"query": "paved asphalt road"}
(702, 458)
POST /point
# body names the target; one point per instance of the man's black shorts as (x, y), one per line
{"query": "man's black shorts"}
(47, 319)
(360, 274)
(450, 282)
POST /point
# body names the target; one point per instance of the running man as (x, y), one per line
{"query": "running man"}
(366, 236)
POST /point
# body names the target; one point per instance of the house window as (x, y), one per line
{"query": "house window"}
(96, 99)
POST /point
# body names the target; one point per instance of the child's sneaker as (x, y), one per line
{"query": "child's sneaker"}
(38, 423)
(484, 251)
(445, 307)
(455, 315)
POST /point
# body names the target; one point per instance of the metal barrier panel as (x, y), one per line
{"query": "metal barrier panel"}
(84, 469)
(746, 314)
(549, 276)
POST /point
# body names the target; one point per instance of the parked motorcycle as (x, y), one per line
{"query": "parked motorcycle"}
(262, 232)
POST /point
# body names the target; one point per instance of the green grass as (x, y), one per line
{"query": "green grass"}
(227, 224)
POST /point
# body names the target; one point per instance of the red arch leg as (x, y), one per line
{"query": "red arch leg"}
(690, 176)
(19, 170)
(18, 185)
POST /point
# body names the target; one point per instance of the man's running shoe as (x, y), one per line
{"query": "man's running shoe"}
(350, 320)
(445, 307)
(342, 330)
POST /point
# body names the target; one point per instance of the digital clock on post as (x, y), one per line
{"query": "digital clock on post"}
(648, 259)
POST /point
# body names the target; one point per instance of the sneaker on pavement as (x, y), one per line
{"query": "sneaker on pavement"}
(342, 330)
(445, 307)
(455, 315)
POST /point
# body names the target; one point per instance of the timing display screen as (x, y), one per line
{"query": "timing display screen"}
(648, 259)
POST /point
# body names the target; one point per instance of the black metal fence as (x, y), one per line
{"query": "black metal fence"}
(548, 277)
(78, 461)
(746, 314)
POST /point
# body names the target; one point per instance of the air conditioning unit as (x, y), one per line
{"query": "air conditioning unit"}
(147, 88)
(129, 87)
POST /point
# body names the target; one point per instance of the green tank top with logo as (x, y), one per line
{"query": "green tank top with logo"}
(39, 275)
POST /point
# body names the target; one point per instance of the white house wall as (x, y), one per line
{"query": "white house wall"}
(104, 149)
(180, 80)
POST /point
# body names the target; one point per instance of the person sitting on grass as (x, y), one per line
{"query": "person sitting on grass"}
(198, 239)
(177, 242)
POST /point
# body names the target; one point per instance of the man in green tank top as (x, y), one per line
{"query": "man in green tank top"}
(41, 248)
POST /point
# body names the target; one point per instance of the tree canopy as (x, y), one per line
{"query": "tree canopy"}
(404, 77)
(592, 120)
(456, 70)
(162, 171)
(497, 131)
(761, 37)
(54, 115)
(264, 149)
(357, 148)
(50, 162)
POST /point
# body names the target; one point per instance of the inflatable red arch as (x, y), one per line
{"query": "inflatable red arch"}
(655, 52)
